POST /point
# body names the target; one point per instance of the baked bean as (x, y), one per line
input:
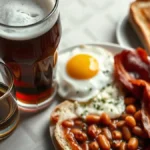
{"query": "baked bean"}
(129, 100)
(137, 131)
(70, 138)
(123, 146)
(120, 123)
(105, 119)
(130, 109)
(116, 144)
(55, 118)
(117, 135)
(94, 146)
(124, 115)
(93, 131)
(100, 132)
(85, 146)
(130, 121)
(103, 142)
(132, 144)
(68, 123)
(92, 119)
(107, 133)
(138, 116)
(126, 133)
(78, 122)
(79, 135)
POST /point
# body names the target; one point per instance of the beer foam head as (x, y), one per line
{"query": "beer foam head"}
(24, 13)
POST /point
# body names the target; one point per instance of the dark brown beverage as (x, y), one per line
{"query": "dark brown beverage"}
(9, 114)
(30, 49)
(32, 62)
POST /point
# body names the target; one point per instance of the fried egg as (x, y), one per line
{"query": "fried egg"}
(109, 100)
(83, 72)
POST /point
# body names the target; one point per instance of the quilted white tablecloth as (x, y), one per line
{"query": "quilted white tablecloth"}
(83, 21)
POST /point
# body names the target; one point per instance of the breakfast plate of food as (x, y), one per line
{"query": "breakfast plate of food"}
(106, 99)
(133, 30)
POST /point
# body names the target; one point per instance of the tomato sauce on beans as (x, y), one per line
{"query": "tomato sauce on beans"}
(102, 133)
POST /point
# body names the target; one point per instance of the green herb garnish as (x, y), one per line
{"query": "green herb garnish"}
(106, 72)
(90, 89)
(116, 103)
(110, 93)
(94, 105)
(103, 100)
(98, 107)
(77, 92)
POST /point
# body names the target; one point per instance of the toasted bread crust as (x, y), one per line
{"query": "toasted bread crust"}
(53, 138)
(64, 111)
(140, 26)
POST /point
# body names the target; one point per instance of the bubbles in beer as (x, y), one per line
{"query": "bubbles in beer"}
(20, 12)
(25, 12)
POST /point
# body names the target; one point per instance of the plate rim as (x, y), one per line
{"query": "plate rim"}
(118, 29)
(123, 37)
(101, 44)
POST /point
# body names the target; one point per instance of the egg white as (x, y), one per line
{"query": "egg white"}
(83, 90)
(109, 100)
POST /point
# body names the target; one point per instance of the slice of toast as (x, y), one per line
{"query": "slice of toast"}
(139, 17)
(63, 111)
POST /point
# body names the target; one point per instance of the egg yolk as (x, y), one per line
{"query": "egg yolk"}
(82, 66)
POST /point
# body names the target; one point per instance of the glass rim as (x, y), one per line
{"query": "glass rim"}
(36, 23)
(11, 84)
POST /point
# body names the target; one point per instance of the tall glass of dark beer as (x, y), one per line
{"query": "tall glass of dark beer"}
(30, 32)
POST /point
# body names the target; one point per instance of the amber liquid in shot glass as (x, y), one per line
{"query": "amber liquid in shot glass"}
(9, 113)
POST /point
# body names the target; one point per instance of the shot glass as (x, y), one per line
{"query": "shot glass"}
(9, 113)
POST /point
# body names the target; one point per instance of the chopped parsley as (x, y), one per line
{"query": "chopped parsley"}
(98, 107)
(106, 71)
(108, 84)
(116, 103)
(110, 93)
(84, 113)
(94, 105)
(103, 100)
(77, 92)
(103, 88)
(84, 105)
(90, 89)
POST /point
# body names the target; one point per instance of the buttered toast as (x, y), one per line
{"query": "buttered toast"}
(139, 17)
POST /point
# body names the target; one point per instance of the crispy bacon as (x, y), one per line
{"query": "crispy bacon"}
(147, 147)
(132, 69)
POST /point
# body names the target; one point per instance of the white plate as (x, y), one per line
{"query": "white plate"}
(126, 35)
(114, 49)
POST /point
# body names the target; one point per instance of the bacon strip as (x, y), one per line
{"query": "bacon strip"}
(132, 69)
